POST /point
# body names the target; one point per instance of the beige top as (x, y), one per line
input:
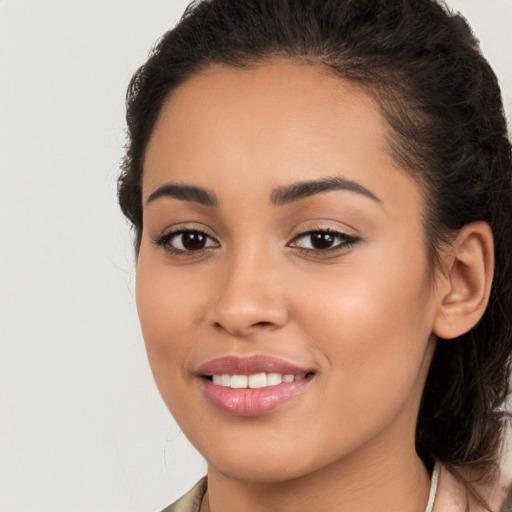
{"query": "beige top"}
(447, 494)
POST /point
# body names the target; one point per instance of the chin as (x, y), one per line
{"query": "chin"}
(261, 468)
(265, 459)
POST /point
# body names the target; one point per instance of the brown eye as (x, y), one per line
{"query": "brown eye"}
(324, 241)
(186, 241)
(193, 241)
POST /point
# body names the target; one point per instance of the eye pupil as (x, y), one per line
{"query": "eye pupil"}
(322, 240)
(193, 241)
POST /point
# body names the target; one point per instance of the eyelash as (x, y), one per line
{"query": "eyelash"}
(164, 241)
(345, 241)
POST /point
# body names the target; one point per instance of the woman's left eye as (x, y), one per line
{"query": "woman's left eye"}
(323, 241)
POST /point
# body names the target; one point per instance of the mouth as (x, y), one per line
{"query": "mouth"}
(255, 380)
(252, 386)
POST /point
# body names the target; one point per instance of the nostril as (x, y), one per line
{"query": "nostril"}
(246, 330)
(262, 324)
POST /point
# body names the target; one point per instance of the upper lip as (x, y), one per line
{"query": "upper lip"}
(237, 365)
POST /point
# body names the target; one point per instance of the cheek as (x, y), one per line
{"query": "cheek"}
(375, 357)
(370, 326)
(166, 302)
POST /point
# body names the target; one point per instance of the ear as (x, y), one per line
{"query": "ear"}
(464, 285)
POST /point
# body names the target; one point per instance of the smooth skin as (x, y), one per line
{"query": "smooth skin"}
(360, 309)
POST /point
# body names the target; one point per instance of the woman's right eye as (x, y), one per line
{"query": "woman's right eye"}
(186, 241)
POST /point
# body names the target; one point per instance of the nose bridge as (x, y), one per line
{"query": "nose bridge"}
(249, 295)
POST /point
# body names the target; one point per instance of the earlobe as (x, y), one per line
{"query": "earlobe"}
(467, 278)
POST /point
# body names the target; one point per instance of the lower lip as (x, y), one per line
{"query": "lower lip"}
(253, 402)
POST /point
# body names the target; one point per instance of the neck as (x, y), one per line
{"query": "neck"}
(379, 481)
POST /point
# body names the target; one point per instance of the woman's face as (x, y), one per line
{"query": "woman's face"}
(282, 282)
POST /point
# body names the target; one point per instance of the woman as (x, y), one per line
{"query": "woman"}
(321, 196)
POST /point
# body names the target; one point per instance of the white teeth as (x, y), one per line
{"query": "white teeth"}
(239, 381)
(273, 379)
(255, 380)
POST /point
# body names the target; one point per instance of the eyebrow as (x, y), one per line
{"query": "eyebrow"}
(280, 196)
(302, 190)
(185, 193)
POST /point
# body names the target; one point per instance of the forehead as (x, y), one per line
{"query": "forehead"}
(268, 126)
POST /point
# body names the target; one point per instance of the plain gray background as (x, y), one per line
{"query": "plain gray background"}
(82, 427)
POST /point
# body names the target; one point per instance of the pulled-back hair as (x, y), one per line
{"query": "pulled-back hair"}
(447, 130)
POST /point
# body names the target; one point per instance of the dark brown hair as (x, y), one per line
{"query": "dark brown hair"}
(448, 130)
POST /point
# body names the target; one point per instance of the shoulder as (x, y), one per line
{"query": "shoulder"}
(190, 502)
(453, 495)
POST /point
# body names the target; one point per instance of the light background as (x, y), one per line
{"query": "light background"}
(82, 427)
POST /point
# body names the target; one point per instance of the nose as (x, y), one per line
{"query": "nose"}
(250, 296)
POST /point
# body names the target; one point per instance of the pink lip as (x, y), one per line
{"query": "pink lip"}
(251, 402)
(235, 365)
